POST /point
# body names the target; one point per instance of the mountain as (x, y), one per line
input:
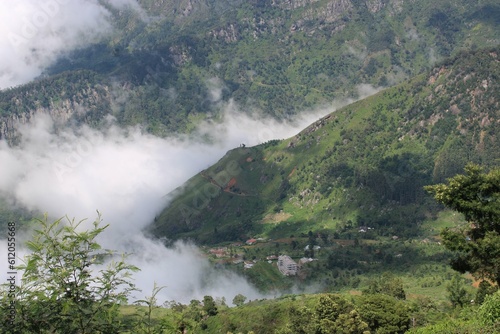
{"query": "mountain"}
(360, 167)
(170, 64)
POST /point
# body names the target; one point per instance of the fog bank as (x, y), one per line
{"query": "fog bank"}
(125, 174)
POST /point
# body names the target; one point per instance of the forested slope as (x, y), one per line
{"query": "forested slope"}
(363, 165)
(177, 62)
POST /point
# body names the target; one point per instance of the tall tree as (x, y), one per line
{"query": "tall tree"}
(387, 284)
(239, 299)
(331, 314)
(476, 195)
(456, 292)
(61, 290)
(209, 306)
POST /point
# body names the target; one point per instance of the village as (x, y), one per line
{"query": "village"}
(306, 256)
(288, 263)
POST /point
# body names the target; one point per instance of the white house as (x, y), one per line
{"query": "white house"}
(287, 266)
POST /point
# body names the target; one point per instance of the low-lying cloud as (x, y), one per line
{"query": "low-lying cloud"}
(125, 174)
(34, 33)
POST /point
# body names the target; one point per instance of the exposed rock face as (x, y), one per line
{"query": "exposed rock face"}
(333, 11)
(397, 6)
(9, 124)
(180, 54)
(325, 14)
(90, 100)
(292, 4)
(229, 34)
(374, 6)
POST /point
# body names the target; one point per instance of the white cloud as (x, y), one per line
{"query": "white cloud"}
(33, 33)
(131, 4)
(125, 174)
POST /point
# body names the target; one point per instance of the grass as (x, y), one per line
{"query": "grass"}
(444, 219)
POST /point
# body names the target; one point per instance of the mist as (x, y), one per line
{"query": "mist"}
(126, 175)
(35, 33)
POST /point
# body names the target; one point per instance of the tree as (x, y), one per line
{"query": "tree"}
(61, 291)
(332, 314)
(384, 314)
(387, 284)
(456, 292)
(209, 306)
(485, 289)
(146, 323)
(477, 196)
(489, 311)
(186, 318)
(239, 299)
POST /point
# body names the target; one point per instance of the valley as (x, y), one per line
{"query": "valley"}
(285, 166)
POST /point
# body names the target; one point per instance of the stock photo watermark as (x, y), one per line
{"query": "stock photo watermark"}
(217, 183)
(39, 19)
(75, 154)
(12, 272)
(202, 197)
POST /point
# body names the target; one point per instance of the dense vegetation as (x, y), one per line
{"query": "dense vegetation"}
(364, 165)
(477, 196)
(347, 192)
(60, 289)
(281, 57)
(74, 300)
(352, 184)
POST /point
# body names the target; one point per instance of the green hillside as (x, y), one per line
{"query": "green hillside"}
(319, 313)
(348, 192)
(361, 166)
(344, 198)
(190, 57)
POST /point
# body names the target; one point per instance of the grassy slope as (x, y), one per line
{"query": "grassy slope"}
(362, 165)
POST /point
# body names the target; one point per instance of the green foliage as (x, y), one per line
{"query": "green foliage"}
(384, 314)
(476, 195)
(189, 317)
(146, 324)
(366, 163)
(275, 57)
(335, 314)
(462, 321)
(456, 326)
(386, 284)
(209, 306)
(60, 292)
(239, 299)
(485, 288)
(331, 314)
(457, 294)
(489, 311)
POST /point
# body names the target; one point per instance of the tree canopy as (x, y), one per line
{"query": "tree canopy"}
(62, 289)
(475, 194)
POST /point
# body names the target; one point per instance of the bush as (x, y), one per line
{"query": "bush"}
(489, 311)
